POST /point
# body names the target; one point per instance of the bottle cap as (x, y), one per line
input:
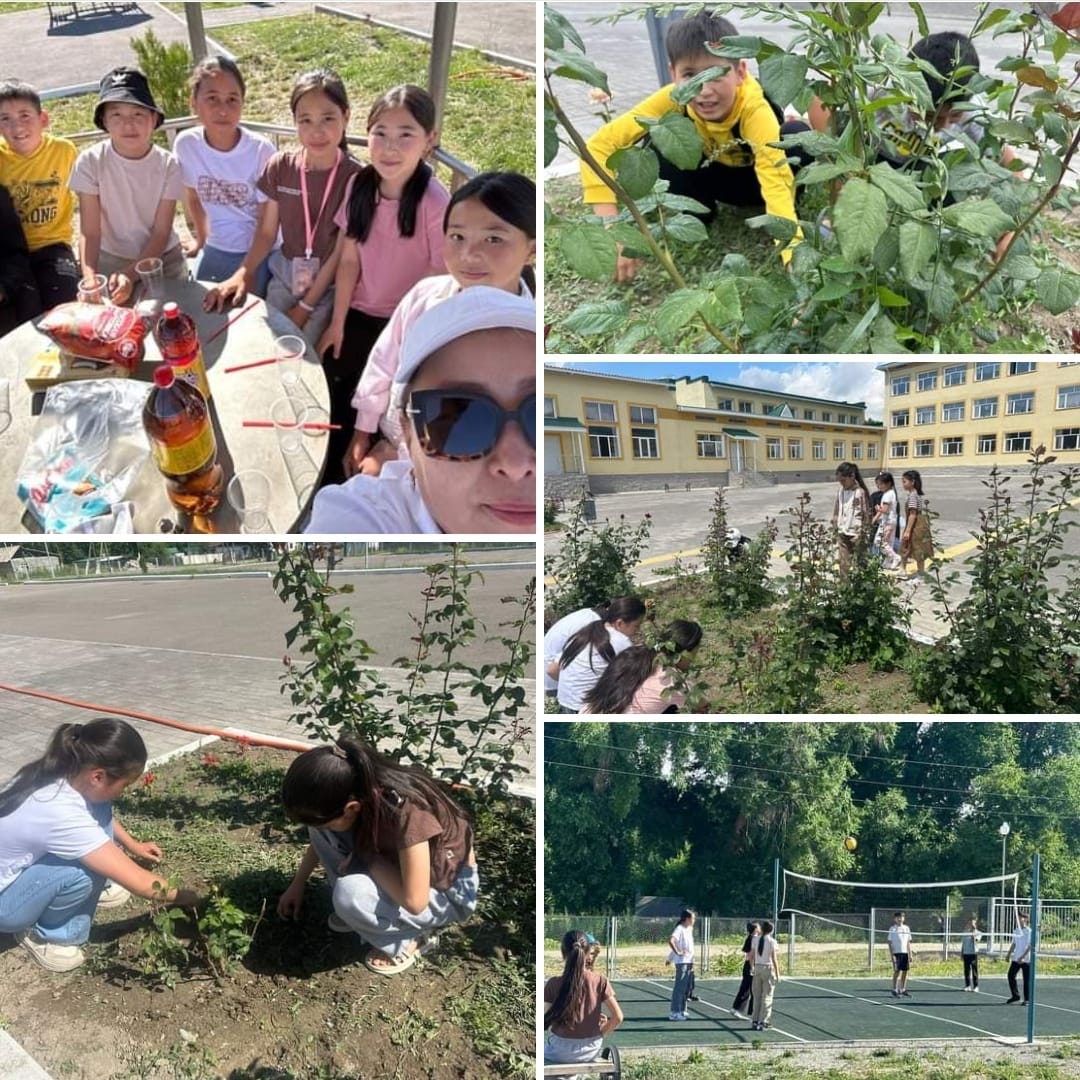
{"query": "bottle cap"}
(170, 309)
(164, 376)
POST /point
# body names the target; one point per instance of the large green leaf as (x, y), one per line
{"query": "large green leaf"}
(783, 76)
(590, 251)
(858, 332)
(597, 317)
(735, 48)
(918, 242)
(821, 171)
(562, 26)
(574, 66)
(677, 139)
(724, 307)
(551, 138)
(983, 217)
(779, 228)
(637, 170)
(1058, 290)
(677, 311)
(685, 92)
(631, 338)
(860, 217)
(687, 229)
(900, 188)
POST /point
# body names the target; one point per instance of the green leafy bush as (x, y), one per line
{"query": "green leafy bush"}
(167, 68)
(738, 582)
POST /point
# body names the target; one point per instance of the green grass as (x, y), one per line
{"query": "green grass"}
(179, 8)
(10, 9)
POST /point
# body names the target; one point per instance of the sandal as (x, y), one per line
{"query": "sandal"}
(394, 965)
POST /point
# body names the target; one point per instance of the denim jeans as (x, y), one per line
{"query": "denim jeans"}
(55, 897)
(683, 972)
(213, 264)
(378, 919)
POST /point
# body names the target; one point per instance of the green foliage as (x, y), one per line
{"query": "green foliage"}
(166, 67)
(907, 260)
(738, 580)
(595, 562)
(164, 954)
(1012, 645)
(335, 692)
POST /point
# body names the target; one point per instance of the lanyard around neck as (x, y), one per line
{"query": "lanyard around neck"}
(309, 230)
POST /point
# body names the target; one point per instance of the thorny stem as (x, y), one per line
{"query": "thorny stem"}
(662, 256)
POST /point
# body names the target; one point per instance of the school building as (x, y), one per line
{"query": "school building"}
(607, 433)
(981, 412)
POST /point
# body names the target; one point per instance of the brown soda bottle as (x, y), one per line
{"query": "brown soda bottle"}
(178, 340)
(177, 423)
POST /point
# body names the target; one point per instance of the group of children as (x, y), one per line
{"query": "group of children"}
(419, 303)
(591, 664)
(396, 848)
(741, 164)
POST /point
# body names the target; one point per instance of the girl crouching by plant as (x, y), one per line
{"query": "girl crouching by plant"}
(396, 848)
(60, 843)
(574, 1004)
(642, 678)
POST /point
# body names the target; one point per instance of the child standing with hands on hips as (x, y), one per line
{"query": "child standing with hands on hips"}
(303, 188)
(60, 843)
(915, 543)
(391, 237)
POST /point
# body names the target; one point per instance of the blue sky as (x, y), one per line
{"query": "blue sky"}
(841, 380)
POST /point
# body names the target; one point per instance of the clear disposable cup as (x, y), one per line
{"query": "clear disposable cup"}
(152, 278)
(288, 423)
(248, 494)
(93, 289)
(290, 351)
(316, 421)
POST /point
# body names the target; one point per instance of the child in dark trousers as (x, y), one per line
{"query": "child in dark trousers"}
(743, 1005)
(19, 299)
(737, 125)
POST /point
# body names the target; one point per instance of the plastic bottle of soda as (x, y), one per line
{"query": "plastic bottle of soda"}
(181, 436)
(178, 340)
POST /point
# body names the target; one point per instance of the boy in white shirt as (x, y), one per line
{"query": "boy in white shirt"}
(900, 947)
(1020, 955)
(682, 956)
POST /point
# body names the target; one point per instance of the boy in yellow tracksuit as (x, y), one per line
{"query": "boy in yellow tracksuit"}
(735, 121)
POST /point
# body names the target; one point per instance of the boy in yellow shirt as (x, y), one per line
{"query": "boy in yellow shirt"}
(735, 121)
(35, 167)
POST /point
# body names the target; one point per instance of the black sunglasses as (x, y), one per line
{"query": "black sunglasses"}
(463, 426)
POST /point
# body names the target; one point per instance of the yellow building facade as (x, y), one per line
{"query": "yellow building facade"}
(980, 413)
(620, 433)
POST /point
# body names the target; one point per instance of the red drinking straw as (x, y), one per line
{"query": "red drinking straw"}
(306, 427)
(222, 329)
(253, 363)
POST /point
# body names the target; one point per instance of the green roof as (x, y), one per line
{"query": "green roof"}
(563, 423)
(739, 433)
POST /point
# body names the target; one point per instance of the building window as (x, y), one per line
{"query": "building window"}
(642, 414)
(1068, 397)
(898, 449)
(924, 447)
(901, 384)
(646, 444)
(856, 451)
(775, 449)
(826, 417)
(818, 449)
(808, 414)
(987, 444)
(746, 406)
(986, 369)
(1067, 438)
(838, 451)
(901, 418)
(549, 408)
(794, 449)
(600, 410)
(984, 408)
(953, 446)
(871, 451)
(1021, 367)
(603, 442)
(925, 414)
(725, 405)
(1015, 404)
(1017, 441)
(927, 380)
(710, 446)
(954, 410)
(955, 375)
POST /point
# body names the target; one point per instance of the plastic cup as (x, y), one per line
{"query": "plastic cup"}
(248, 494)
(317, 419)
(152, 278)
(290, 351)
(93, 289)
(288, 421)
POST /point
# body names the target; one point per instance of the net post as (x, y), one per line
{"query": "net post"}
(873, 926)
(791, 944)
(776, 891)
(1034, 922)
(946, 928)
(613, 940)
(704, 947)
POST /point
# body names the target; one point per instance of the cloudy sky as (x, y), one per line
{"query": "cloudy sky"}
(842, 380)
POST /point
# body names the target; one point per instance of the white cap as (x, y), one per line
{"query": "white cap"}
(477, 308)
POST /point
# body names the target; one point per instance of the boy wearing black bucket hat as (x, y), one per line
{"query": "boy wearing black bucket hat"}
(127, 187)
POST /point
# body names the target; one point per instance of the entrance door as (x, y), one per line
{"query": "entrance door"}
(553, 459)
(736, 455)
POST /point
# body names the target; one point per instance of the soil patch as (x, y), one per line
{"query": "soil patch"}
(300, 1005)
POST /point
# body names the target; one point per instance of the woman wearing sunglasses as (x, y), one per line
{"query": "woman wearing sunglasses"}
(465, 389)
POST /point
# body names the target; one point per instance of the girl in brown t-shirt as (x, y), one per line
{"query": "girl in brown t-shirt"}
(396, 848)
(573, 1017)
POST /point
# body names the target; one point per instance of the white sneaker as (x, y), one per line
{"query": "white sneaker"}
(967, 989)
(974, 989)
(678, 1016)
(50, 956)
(113, 895)
(739, 1014)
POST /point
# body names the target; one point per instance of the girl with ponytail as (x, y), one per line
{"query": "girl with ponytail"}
(396, 848)
(60, 843)
(573, 1017)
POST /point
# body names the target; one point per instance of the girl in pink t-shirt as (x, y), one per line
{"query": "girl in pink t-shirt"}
(642, 679)
(490, 229)
(391, 237)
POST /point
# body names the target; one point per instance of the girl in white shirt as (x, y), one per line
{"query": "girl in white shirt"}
(59, 841)
(885, 518)
(682, 956)
(766, 976)
(851, 512)
(592, 648)
(560, 632)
